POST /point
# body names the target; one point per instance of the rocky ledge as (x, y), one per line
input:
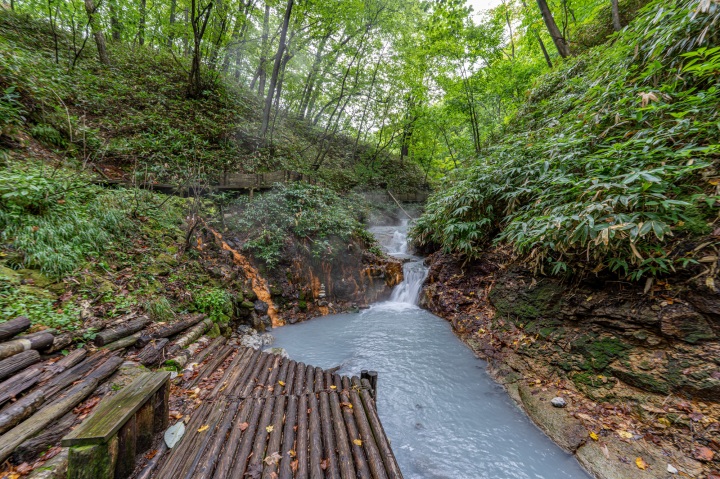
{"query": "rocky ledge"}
(638, 366)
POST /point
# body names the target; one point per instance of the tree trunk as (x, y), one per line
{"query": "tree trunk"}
(312, 77)
(94, 22)
(617, 24)
(171, 33)
(141, 22)
(115, 25)
(199, 19)
(276, 70)
(261, 75)
(558, 39)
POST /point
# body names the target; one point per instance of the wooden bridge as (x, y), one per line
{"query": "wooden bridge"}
(246, 182)
(271, 417)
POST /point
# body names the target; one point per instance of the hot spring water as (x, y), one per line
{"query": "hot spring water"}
(446, 418)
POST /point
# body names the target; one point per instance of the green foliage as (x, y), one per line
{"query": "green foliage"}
(216, 303)
(317, 218)
(613, 158)
(11, 110)
(14, 301)
(55, 219)
(160, 310)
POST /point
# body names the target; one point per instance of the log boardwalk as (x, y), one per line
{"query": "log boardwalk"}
(272, 417)
(249, 182)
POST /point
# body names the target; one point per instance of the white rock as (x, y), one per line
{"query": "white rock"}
(671, 469)
(280, 351)
(558, 402)
(174, 433)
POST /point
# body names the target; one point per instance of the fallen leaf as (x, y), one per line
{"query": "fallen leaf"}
(243, 426)
(640, 463)
(273, 458)
(203, 428)
(292, 453)
(605, 451)
(704, 454)
(294, 465)
(269, 429)
(672, 469)
(357, 442)
(174, 433)
(333, 387)
(324, 464)
(150, 454)
(281, 383)
(625, 434)
(594, 436)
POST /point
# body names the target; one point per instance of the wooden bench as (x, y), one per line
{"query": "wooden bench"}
(105, 445)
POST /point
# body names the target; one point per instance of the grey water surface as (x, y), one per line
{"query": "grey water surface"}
(446, 418)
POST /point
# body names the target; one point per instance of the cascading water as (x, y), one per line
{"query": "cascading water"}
(414, 270)
(446, 418)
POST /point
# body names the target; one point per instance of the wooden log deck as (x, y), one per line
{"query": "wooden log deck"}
(272, 417)
(249, 182)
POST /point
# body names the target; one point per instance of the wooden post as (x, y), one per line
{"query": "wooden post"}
(373, 378)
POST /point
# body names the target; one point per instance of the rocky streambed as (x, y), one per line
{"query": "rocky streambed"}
(639, 371)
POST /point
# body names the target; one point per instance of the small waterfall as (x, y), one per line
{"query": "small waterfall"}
(408, 292)
(395, 242)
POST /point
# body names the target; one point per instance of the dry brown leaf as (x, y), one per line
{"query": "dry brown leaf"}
(243, 426)
(640, 463)
(703, 454)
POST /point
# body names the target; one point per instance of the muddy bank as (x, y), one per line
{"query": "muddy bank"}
(640, 373)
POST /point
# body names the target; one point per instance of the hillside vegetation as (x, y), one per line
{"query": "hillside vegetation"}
(612, 163)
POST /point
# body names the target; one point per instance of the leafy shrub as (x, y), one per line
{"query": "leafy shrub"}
(11, 110)
(160, 309)
(603, 172)
(55, 219)
(316, 217)
(216, 303)
(39, 309)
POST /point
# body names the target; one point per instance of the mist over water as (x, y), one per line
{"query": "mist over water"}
(446, 418)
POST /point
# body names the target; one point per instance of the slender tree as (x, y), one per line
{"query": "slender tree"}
(557, 37)
(276, 70)
(617, 24)
(94, 22)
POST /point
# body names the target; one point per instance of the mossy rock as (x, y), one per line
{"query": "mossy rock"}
(37, 292)
(524, 304)
(167, 259)
(599, 352)
(250, 295)
(302, 305)
(38, 279)
(159, 269)
(9, 275)
(247, 304)
(214, 331)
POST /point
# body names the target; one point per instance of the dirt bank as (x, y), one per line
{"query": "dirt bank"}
(640, 372)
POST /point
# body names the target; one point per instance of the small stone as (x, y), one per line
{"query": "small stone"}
(558, 402)
(671, 469)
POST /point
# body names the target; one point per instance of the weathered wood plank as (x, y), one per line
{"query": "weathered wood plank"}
(391, 466)
(229, 447)
(207, 464)
(120, 331)
(113, 412)
(315, 434)
(270, 466)
(345, 459)
(301, 446)
(329, 442)
(8, 329)
(288, 438)
(246, 444)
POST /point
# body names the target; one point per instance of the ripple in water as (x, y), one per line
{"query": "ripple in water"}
(446, 418)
